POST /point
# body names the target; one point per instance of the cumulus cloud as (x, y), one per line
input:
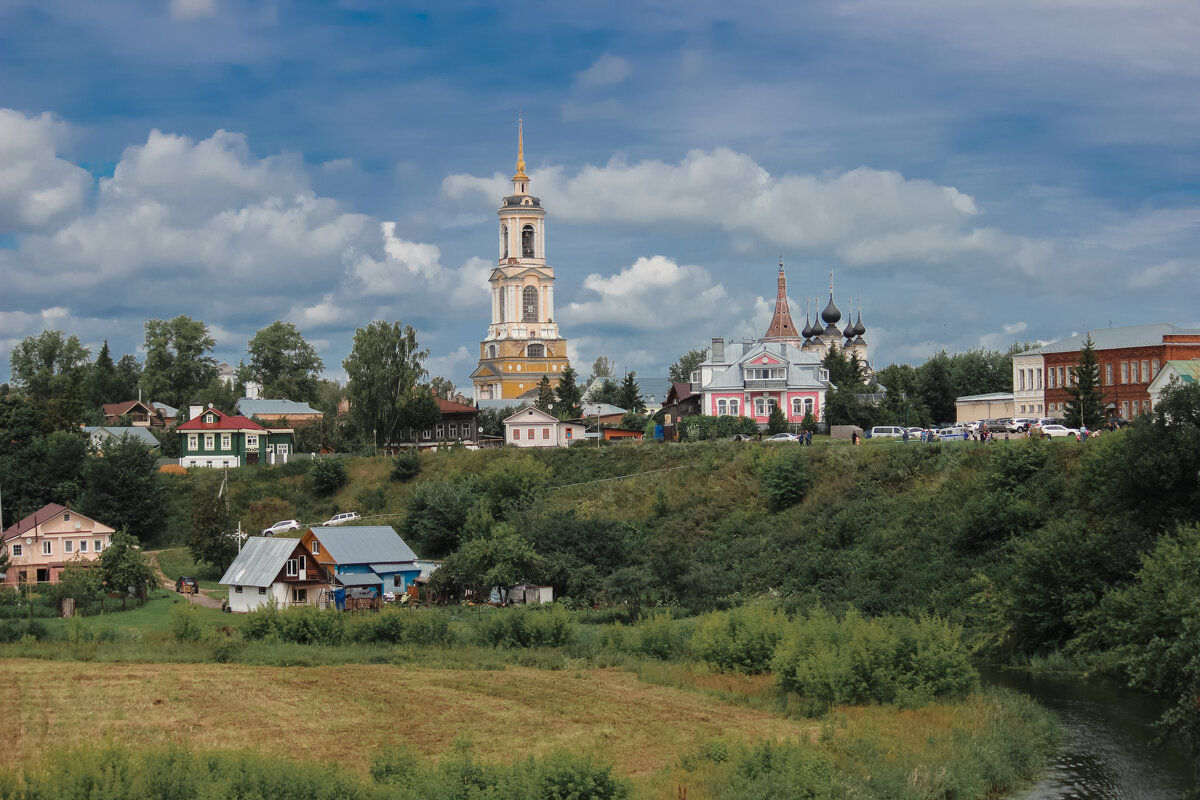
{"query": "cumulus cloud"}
(185, 10)
(607, 70)
(1161, 274)
(863, 216)
(37, 188)
(636, 296)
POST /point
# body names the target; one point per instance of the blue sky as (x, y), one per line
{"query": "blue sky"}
(978, 173)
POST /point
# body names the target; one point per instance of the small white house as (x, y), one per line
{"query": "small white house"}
(532, 427)
(1178, 372)
(268, 567)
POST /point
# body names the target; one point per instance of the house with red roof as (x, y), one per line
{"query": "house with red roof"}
(212, 438)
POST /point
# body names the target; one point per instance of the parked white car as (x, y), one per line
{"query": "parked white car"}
(282, 526)
(949, 434)
(341, 519)
(1060, 430)
(886, 431)
(783, 437)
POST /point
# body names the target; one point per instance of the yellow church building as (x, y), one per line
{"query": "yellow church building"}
(522, 342)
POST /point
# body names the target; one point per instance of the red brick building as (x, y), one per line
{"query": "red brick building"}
(1129, 359)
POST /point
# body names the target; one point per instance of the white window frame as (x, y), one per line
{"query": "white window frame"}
(47, 547)
(316, 547)
(734, 405)
(17, 551)
(193, 442)
(210, 419)
(759, 407)
(210, 441)
(722, 407)
(68, 547)
(281, 449)
(1108, 374)
(797, 405)
(83, 548)
(99, 545)
(226, 441)
(292, 568)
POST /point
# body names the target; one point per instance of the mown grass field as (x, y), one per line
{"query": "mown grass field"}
(346, 713)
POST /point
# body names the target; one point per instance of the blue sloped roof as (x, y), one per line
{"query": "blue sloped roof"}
(364, 544)
(142, 435)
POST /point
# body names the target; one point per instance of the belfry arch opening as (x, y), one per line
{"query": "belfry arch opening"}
(527, 241)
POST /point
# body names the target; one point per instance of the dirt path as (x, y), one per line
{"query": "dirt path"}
(201, 599)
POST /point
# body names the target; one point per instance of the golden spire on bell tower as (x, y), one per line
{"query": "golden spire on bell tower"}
(520, 176)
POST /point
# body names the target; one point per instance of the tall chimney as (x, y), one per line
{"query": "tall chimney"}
(718, 350)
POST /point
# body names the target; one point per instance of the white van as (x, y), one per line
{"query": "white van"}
(341, 519)
(886, 432)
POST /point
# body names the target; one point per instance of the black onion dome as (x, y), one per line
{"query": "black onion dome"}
(848, 331)
(831, 330)
(807, 332)
(831, 314)
(859, 328)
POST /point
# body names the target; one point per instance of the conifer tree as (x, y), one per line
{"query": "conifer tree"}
(631, 394)
(545, 398)
(1086, 406)
(567, 395)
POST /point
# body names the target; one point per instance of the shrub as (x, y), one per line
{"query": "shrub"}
(182, 623)
(785, 478)
(328, 475)
(406, 466)
(741, 640)
(311, 625)
(525, 627)
(401, 626)
(886, 660)
(659, 636)
(765, 771)
(262, 622)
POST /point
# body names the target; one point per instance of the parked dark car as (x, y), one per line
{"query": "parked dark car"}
(187, 585)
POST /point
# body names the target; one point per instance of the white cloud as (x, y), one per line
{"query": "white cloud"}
(457, 362)
(1161, 274)
(192, 9)
(638, 296)
(37, 188)
(863, 216)
(1015, 328)
(607, 70)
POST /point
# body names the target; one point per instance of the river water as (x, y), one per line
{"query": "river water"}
(1109, 751)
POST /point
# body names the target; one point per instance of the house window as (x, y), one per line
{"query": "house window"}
(237, 590)
(1053, 382)
(529, 306)
(425, 434)
(17, 550)
(300, 596)
(47, 548)
(1124, 372)
(1145, 406)
(192, 441)
(759, 407)
(771, 404)
(68, 546)
(529, 434)
(535, 350)
(1145, 372)
(251, 441)
(83, 546)
(270, 448)
(722, 407)
(441, 431)
(453, 428)
(1125, 409)
(226, 442)
(1108, 376)
(291, 568)
(466, 430)
(99, 545)
(208, 441)
(545, 433)
(398, 581)
(1153, 368)
(209, 419)
(808, 405)
(516, 434)
(282, 449)
(261, 589)
(316, 548)
(570, 430)
(1021, 373)
(733, 407)
(796, 407)
(1039, 376)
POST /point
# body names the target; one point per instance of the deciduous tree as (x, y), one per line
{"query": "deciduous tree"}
(213, 534)
(125, 566)
(286, 365)
(681, 371)
(123, 488)
(385, 370)
(179, 361)
(50, 369)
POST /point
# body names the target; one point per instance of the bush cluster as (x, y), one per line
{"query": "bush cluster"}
(525, 627)
(743, 639)
(116, 772)
(884, 660)
(330, 627)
